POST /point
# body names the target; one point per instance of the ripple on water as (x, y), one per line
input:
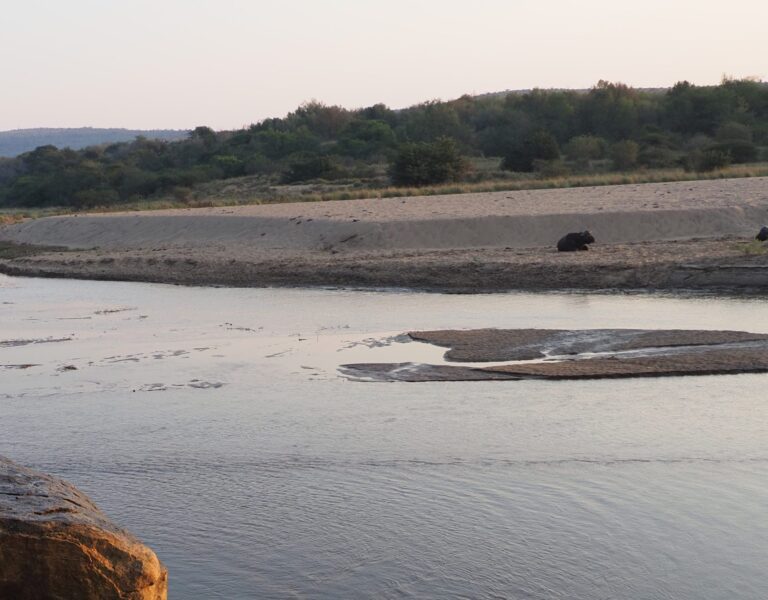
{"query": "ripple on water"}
(289, 481)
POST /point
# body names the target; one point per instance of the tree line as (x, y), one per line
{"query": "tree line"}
(609, 127)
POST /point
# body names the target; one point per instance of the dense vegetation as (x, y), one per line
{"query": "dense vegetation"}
(18, 141)
(610, 127)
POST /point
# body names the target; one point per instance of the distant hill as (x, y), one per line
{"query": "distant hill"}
(523, 92)
(18, 141)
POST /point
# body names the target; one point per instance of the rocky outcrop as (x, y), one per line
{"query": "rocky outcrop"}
(56, 544)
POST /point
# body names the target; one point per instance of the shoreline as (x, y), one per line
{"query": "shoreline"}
(673, 236)
(695, 265)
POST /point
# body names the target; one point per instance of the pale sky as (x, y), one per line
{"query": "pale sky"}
(228, 63)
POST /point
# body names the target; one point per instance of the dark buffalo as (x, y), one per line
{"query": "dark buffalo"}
(575, 241)
(763, 234)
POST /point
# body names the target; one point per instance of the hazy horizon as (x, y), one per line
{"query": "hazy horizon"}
(231, 63)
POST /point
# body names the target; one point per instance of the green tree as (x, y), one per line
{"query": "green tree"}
(432, 120)
(551, 110)
(690, 109)
(499, 136)
(364, 138)
(276, 144)
(611, 110)
(323, 121)
(426, 163)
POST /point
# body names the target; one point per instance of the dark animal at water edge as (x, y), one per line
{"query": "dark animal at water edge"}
(763, 234)
(575, 241)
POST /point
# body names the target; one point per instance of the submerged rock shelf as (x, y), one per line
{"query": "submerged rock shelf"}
(577, 354)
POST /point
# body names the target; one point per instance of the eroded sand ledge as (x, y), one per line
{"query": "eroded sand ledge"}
(662, 236)
(577, 354)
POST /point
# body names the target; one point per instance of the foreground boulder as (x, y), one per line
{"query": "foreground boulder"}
(56, 544)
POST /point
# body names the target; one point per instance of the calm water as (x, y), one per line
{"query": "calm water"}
(213, 424)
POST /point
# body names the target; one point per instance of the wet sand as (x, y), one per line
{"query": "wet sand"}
(688, 235)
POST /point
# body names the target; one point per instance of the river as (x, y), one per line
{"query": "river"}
(214, 424)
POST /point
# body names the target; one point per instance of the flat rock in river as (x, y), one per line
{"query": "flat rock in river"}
(576, 354)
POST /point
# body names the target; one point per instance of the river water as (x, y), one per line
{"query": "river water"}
(214, 424)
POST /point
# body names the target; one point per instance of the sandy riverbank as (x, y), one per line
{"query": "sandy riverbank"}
(673, 235)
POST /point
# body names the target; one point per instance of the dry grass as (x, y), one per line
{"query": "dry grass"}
(347, 191)
(11, 218)
(753, 248)
(253, 190)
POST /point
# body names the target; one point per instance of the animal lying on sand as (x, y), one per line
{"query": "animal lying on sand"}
(575, 241)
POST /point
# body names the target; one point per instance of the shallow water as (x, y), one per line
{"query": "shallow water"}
(213, 424)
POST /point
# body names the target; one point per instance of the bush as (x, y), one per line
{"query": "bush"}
(657, 157)
(551, 169)
(312, 166)
(731, 131)
(93, 198)
(540, 145)
(428, 163)
(584, 148)
(710, 159)
(739, 151)
(182, 194)
(230, 165)
(624, 155)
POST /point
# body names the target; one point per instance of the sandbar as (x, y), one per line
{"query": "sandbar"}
(685, 235)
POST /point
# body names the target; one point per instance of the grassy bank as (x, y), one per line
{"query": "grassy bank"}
(248, 190)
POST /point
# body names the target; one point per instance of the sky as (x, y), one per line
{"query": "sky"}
(176, 64)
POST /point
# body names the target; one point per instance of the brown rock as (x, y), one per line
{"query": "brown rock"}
(55, 544)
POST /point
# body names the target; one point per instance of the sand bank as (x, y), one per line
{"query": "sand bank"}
(577, 354)
(687, 234)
